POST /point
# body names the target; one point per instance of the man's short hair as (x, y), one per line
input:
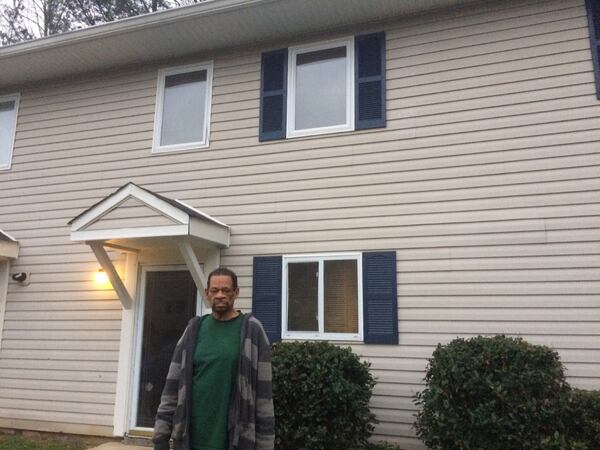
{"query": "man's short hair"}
(226, 272)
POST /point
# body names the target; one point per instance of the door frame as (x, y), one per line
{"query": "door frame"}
(137, 339)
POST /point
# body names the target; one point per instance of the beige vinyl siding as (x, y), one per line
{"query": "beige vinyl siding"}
(485, 182)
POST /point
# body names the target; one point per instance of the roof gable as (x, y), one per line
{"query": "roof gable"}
(139, 217)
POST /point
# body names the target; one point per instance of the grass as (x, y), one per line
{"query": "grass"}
(17, 442)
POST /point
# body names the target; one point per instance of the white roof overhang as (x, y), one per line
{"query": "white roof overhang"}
(9, 246)
(208, 26)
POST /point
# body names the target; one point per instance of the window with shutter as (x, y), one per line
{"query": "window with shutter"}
(593, 13)
(322, 88)
(321, 297)
(350, 296)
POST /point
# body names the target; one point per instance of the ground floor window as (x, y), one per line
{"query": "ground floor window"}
(333, 296)
(322, 297)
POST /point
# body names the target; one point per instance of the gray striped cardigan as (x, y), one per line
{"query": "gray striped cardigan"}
(251, 416)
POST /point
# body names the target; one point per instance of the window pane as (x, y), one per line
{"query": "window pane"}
(321, 88)
(341, 297)
(184, 104)
(303, 288)
(7, 123)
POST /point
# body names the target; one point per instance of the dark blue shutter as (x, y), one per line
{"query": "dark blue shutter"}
(380, 298)
(593, 13)
(266, 294)
(370, 81)
(273, 90)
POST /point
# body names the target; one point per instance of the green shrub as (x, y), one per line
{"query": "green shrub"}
(493, 393)
(583, 415)
(321, 394)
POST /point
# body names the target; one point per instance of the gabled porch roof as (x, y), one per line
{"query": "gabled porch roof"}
(138, 218)
(133, 218)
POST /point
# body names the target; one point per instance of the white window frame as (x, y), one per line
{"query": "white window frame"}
(321, 334)
(158, 115)
(16, 97)
(291, 81)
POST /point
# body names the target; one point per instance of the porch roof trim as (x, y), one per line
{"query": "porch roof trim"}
(185, 222)
(9, 246)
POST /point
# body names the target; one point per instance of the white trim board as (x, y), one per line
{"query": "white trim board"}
(4, 274)
(126, 349)
(9, 249)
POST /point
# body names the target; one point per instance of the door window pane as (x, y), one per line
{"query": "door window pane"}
(184, 107)
(7, 124)
(341, 296)
(303, 290)
(320, 91)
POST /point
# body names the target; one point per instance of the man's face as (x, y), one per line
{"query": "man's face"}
(220, 294)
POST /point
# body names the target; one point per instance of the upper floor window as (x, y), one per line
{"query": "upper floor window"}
(323, 88)
(9, 105)
(183, 108)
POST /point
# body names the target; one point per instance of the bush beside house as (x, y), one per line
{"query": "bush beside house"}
(498, 393)
(321, 394)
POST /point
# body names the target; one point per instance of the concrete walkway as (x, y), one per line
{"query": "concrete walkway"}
(119, 446)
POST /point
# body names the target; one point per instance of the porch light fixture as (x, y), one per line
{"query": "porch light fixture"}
(101, 277)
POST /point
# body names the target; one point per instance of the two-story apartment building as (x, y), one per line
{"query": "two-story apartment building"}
(385, 174)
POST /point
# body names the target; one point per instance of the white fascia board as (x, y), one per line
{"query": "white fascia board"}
(203, 214)
(127, 25)
(159, 205)
(9, 249)
(209, 25)
(4, 233)
(129, 233)
(210, 232)
(113, 202)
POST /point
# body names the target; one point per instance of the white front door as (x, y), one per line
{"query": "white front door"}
(168, 300)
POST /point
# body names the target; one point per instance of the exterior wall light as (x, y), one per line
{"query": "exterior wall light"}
(101, 277)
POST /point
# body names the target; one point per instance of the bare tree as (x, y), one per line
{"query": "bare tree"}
(12, 23)
(28, 19)
(48, 17)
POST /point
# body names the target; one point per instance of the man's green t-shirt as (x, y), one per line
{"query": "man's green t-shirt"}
(215, 367)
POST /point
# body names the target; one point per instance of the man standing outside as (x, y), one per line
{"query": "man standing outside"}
(218, 392)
